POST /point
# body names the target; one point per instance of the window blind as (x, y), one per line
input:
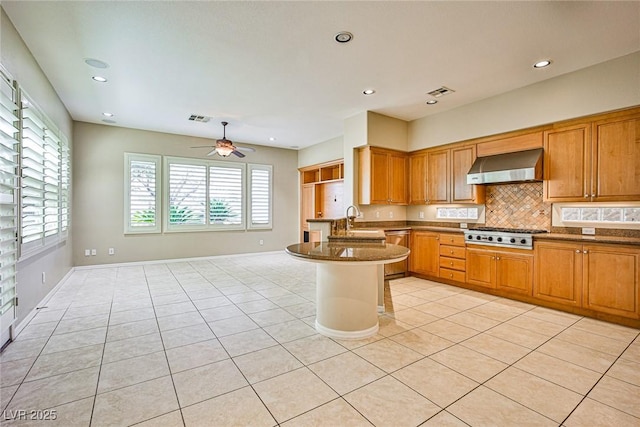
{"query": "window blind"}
(187, 194)
(142, 195)
(260, 194)
(226, 195)
(9, 138)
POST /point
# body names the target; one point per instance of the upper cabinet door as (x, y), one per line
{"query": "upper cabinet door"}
(398, 188)
(461, 161)
(379, 178)
(438, 177)
(616, 159)
(567, 174)
(418, 179)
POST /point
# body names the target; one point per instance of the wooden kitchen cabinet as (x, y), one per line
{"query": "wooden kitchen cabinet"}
(593, 161)
(418, 179)
(452, 257)
(321, 194)
(425, 253)
(438, 176)
(462, 159)
(599, 277)
(506, 270)
(382, 176)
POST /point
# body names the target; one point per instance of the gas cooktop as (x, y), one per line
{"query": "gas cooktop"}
(510, 230)
(505, 237)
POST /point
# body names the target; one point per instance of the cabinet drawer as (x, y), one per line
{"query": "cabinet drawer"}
(452, 239)
(452, 251)
(458, 276)
(452, 263)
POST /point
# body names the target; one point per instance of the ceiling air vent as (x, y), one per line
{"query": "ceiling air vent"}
(440, 91)
(198, 118)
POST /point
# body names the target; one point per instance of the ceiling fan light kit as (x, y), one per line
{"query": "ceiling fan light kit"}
(225, 147)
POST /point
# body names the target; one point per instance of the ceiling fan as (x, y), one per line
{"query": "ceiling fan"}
(225, 147)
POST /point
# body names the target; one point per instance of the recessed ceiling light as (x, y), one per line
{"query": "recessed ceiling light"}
(99, 79)
(272, 138)
(344, 37)
(432, 101)
(96, 63)
(109, 121)
(542, 64)
(107, 114)
(369, 91)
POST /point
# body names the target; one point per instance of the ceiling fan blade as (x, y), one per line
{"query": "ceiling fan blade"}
(237, 153)
(247, 149)
(212, 152)
(202, 146)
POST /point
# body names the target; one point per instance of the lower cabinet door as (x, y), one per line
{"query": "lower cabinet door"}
(481, 267)
(558, 272)
(514, 273)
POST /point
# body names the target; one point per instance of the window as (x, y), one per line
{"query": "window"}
(226, 202)
(142, 193)
(260, 196)
(45, 180)
(8, 200)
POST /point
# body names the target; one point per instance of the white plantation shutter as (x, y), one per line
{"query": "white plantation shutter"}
(142, 193)
(65, 185)
(226, 195)
(187, 194)
(51, 183)
(260, 185)
(9, 139)
(33, 179)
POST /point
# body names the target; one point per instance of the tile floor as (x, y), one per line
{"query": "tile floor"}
(230, 341)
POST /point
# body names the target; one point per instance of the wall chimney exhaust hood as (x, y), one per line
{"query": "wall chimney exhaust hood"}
(504, 168)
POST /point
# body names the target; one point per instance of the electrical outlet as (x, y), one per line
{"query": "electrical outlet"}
(94, 252)
(589, 231)
(421, 215)
(390, 214)
(112, 251)
(44, 277)
(463, 225)
(377, 214)
(87, 252)
(261, 242)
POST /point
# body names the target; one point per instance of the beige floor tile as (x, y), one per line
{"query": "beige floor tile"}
(194, 355)
(389, 326)
(462, 301)
(81, 324)
(388, 355)
(62, 362)
(632, 352)
(422, 341)
(131, 315)
(469, 363)
(435, 381)
(135, 403)
(87, 311)
(559, 372)
(132, 371)
(332, 414)
(593, 413)
(516, 335)
(73, 340)
(526, 321)
(346, 372)
(290, 331)
(246, 342)
(414, 317)
(132, 329)
(406, 299)
(593, 341)
(301, 310)
(131, 347)
(177, 308)
(389, 402)
(267, 363)
(610, 330)
(271, 317)
(215, 301)
(222, 312)
(131, 304)
(287, 300)
(13, 372)
(444, 419)
(245, 297)
(437, 310)
(47, 315)
(553, 316)
(179, 321)
(291, 394)
(172, 419)
(232, 325)
(74, 414)
(585, 357)
(185, 336)
(495, 347)
(618, 394)
(6, 394)
(57, 390)
(497, 311)
(626, 370)
(542, 396)
(473, 321)
(314, 348)
(38, 330)
(238, 408)
(205, 382)
(449, 330)
(484, 407)
(257, 306)
(353, 344)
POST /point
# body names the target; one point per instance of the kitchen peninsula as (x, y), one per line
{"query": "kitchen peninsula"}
(349, 276)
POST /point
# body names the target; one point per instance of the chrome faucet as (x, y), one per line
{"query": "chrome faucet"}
(351, 219)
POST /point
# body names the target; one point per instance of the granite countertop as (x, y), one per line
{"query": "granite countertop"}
(348, 251)
(369, 235)
(620, 240)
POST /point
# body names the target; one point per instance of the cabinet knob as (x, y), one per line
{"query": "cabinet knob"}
(451, 252)
(585, 251)
(451, 275)
(493, 257)
(577, 251)
(437, 238)
(498, 258)
(451, 263)
(593, 195)
(586, 196)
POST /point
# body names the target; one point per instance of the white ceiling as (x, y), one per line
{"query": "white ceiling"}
(273, 69)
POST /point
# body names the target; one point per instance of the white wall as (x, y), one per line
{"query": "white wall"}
(56, 262)
(98, 180)
(323, 152)
(603, 87)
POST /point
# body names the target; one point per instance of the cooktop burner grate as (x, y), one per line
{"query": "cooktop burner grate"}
(510, 230)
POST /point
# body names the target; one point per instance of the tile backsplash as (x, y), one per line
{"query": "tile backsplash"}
(517, 206)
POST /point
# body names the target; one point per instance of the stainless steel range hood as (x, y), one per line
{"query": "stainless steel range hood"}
(504, 168)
